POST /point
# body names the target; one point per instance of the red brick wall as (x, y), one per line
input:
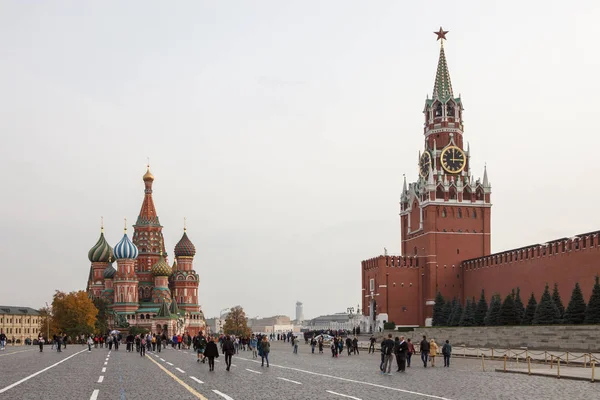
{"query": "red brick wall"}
(563, 261)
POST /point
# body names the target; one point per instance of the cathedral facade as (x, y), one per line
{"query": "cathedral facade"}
(445, 217)
(144, 290)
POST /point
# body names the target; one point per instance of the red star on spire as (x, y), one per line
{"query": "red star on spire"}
(441, 34)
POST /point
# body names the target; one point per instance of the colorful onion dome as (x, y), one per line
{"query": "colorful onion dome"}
(125, 249)
(185, 247)
(161, 268)
(109, 272)
(101, 252)
(148, 175)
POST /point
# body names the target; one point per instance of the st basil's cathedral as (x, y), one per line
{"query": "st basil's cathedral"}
(144, 290)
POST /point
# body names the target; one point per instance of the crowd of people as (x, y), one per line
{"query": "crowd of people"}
(403, 349)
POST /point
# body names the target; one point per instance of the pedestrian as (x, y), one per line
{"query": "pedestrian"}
(211, 352)
(200, 346)
(143, 346)
(41, 342)
(154, 342)
(401, 354)
(2, 341)
(266, 349)
(253, 344)
(295, 344)
(228, 350)
(447, 352)
(313, 343)
(410, 351)
(424, 351)
(90, 342)
(387, 347)
(355, 345)
(349, 345)
(372, 345)
(433, 350)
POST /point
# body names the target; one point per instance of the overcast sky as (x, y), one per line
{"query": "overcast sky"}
(281, 130)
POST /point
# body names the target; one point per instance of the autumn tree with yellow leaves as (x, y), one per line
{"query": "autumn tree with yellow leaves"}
(73, 313)
(236, 322)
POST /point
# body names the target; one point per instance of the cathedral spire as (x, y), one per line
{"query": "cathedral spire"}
(148, 212)
(486, 183)
(442, 88)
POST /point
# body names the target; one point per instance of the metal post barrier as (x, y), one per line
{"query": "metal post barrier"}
(593, 370)
(529, 365)
(505, 363)
(558, 368)
(585, 361)
(517, 361)
(567, 358)
(551, 360)
(545, 357)
(482, 363)
(492, 353)
(464, 351)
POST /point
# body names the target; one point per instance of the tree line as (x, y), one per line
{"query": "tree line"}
(512, 311)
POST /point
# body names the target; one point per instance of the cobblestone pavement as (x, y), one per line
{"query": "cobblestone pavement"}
(79, 374)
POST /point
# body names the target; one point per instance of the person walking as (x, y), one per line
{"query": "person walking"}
(2, 341)
(40, 342)
(355, 345)
(266, 349)
(200, 345)
(388, 350)
(313, 344)
(229, 351)
(211, 352)
(253, 343)
(401, 354)
(424, 351)
(409, 352)
(295, 344)
(90, 342)
(349, 345)
(447, 352)
(433, 350)
(143, 346)
(372, 345)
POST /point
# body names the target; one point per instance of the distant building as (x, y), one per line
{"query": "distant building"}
(19, 323)
(334, 321)
(275, 324)
(299, 312)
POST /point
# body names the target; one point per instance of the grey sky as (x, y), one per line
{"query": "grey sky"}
(281, 130)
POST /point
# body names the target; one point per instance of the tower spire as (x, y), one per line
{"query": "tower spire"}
(442, 88)
(485, 176)
(148, 211)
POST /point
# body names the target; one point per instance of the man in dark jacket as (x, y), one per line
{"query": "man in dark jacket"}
(228, 350)
(211, 352)
(447, 352)
(387, 348)
(349, 345)
(400, 349)
(424, 351)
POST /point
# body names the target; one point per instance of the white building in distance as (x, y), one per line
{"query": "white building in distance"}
(299, 312)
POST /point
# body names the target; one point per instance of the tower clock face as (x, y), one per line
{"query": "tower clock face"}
(424, 164)
(453, 159)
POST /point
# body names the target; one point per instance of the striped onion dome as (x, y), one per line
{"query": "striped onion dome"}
(101, 252)
(185, 247)
(125, 249)
(161, 268)
(109, 272)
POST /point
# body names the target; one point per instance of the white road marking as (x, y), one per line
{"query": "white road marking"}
(180, 370)
(169, 363)
(289, 380)
(256, 372)
(233, 365)
(430, 396)
(105, 363)
(106, 359)
(101, 378)
(196, 379)
(94, 395)
(223, 395)
(343, 395)
(39, 372)
(103, 369)
(162, 359)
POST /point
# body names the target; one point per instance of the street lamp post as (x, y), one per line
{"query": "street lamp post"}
(48, 320)
(220, 319)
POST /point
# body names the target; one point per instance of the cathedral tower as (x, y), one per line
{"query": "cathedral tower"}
(100, 256)
(148, 238)
(445, 213)
(125, 282)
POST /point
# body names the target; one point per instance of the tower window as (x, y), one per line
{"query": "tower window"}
(459, 213)
(450, 109)
(444, 213)
(438, 110)
(474, 213)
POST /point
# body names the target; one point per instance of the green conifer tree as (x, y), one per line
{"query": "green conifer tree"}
(456, 314)
(546, 312)
(558, 302)
(592, 311)
(482, 308)
(447, 312)
(519, 307)
(468, 317)
(491, 319)
(575, 312)
(438, 317)
(508, 312)
(529, 311)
